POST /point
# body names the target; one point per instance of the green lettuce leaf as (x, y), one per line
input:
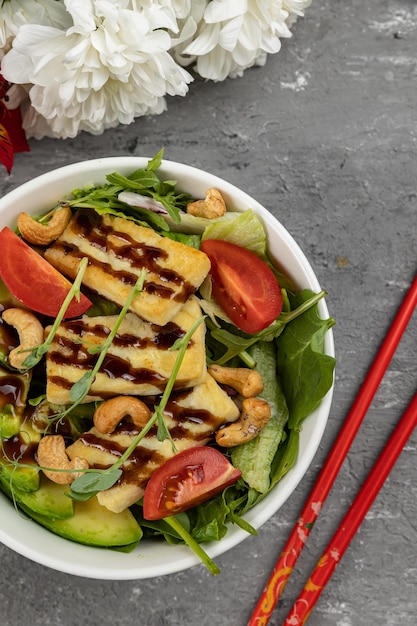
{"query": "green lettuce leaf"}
(254, 458)
(245, 229)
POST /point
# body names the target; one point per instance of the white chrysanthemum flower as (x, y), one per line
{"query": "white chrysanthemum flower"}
(110, 66)
(184, 8)
(34, 124)
(161, 13)
(233, 36)
(295, 9)
(15, 13)
(91, 64)
(189, 15)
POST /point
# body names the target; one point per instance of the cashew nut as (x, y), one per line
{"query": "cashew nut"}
(43, 234)
(253, 418)
(245, 381)
(109, 414)
(212, 206)
(52, 457)
(30, 332)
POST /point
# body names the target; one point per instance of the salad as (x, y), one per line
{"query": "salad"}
(155, 365)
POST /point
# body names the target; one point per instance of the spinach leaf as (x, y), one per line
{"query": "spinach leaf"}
(306, 373)
(286, 456)
(208, 520)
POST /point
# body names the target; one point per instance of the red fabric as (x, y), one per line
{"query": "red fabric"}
(12, 136)
(12, 122)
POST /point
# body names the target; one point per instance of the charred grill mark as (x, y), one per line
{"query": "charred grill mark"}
(163, 337)
(73, 351)
(144, 460)
(169, 284)
(113, 367)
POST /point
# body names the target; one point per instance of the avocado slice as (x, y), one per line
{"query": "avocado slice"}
(14, 387)
(49, 500)
(22, 479)
(17, 435)
(17, 459)
(94, 525)
(85, 522)
(17, 456)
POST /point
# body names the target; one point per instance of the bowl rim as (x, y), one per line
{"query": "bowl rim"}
(64, 555)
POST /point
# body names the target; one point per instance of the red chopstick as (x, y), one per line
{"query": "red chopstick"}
(299, 535)
(352, 520)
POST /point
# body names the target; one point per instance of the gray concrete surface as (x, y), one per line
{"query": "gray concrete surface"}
(324, 136)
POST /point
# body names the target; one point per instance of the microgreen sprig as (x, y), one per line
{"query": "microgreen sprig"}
(37, 352)
(181, 345)
(92, 481)
(175, 524)
(80, 389)
(238, 344)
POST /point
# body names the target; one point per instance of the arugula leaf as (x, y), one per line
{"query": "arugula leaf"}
(237, 342)
(234, 343)
(138, 181)
(155, 163)
(104, 198)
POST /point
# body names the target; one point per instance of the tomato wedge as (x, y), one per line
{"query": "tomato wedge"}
(187, 479)
(32, 280)
(243, 285)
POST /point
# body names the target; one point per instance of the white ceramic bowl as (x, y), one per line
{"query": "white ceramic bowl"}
(152, 558)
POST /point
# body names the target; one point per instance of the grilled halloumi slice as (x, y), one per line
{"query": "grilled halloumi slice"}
(138, 361)
(192, 417)
(117, 250)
